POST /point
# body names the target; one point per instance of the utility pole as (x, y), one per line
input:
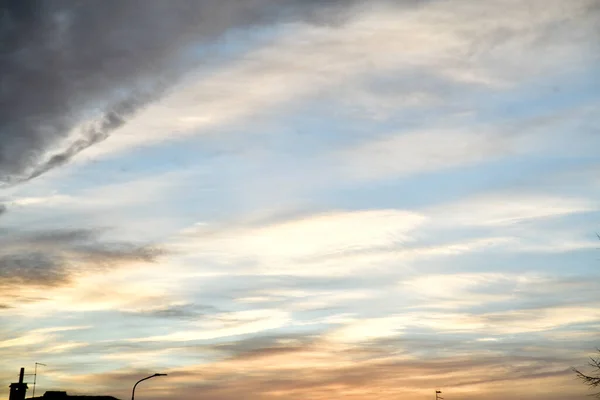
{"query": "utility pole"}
(35, 376)
(437, 395)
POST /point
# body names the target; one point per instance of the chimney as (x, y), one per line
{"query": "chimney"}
(18, 390)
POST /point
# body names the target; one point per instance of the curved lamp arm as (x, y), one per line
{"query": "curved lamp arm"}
(148, 377)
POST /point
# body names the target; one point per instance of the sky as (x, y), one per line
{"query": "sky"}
(300, 199)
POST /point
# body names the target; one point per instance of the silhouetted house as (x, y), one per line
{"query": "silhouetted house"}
(19, 390)
(54, 395)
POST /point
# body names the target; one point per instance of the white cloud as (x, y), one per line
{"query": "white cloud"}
(225, 325)
(455, 290)
(451, 142)
(504, 209)
(308, 299)
(38, 336)
(129, 205)
(361, 330)
(291, 245)
(416, 152)
(50, 200)
(460, 289)
(524, 321)
(62, 347)
(485, 324)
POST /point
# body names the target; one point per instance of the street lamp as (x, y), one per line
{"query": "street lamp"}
(437, 395)
(148, 377)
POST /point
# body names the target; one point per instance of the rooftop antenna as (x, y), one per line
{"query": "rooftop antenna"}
(35, 376)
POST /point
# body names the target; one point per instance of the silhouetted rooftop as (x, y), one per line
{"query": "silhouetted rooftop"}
(54, 395)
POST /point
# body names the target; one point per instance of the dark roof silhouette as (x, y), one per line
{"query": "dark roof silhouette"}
(54, 395)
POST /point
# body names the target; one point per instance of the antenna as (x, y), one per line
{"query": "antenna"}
(35, 376)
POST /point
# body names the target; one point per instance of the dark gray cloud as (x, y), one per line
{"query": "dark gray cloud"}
(63, 62)
(52, 258)
(95, 133)
(31, 268)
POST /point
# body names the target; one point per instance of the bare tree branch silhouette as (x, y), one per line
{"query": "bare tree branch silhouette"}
(593, 381)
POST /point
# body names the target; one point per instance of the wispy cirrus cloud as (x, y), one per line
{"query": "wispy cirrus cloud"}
(309, 367)
(509, 208)
(328, 201)
(469, 52)
(290, 242)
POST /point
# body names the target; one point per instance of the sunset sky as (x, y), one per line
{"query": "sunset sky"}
(300, 199)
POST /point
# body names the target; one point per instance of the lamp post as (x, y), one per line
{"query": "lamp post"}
(437, 395)
(148, 377)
